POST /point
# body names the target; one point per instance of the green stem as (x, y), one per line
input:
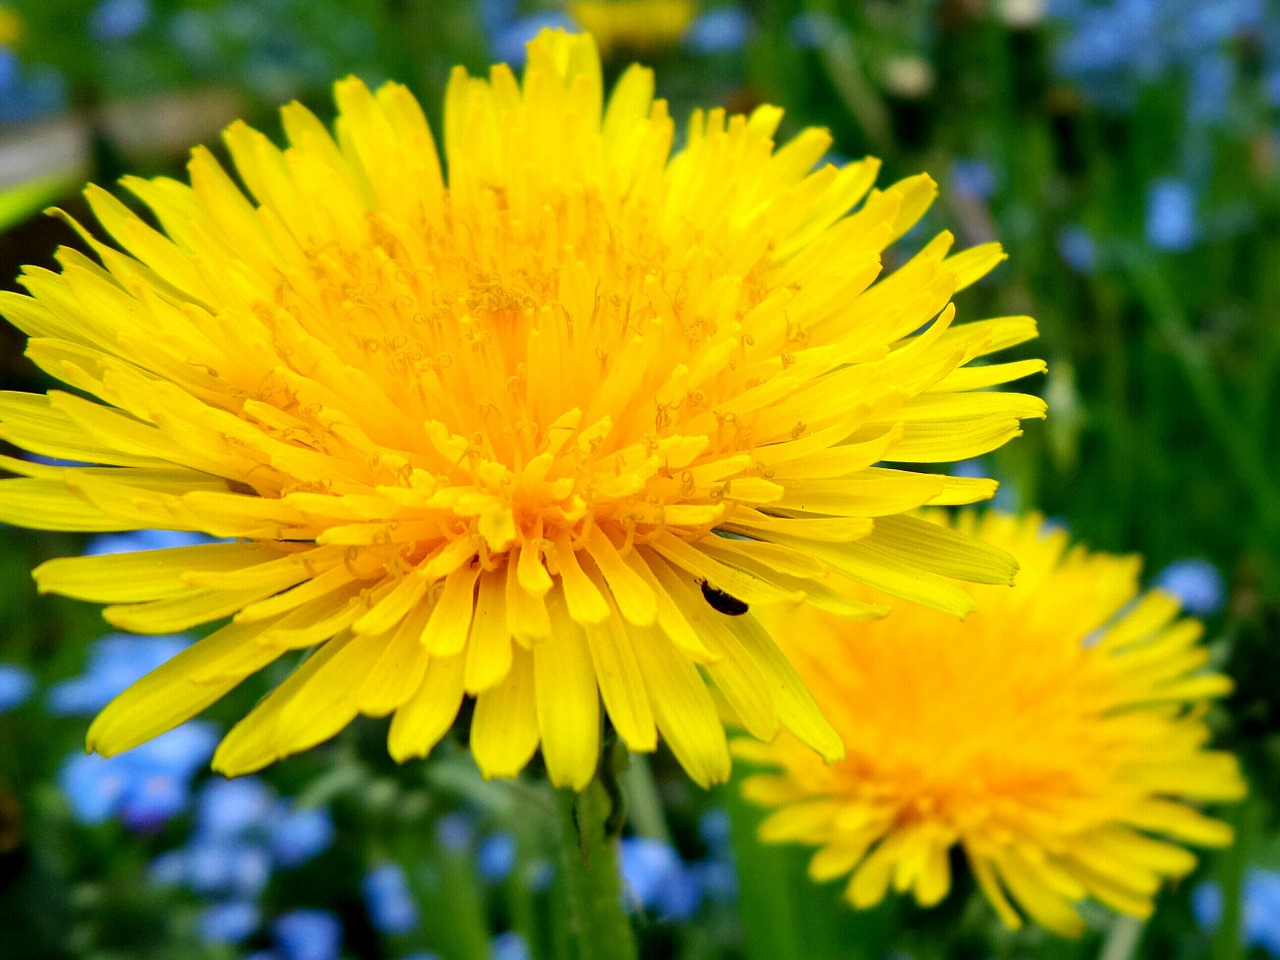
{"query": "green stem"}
(590, 862)
(644, 805)
(1122, 942)
(1245, 819)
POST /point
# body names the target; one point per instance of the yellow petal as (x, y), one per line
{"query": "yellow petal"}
(427, 715)
(582, 598)
(171, 694)
(683, 709)
(254, 742)
(399, 669)
(447, 629)
(489, 648)
(504, 729)
(568, 704)
(146, 575)
(795, 706)
(618, 674)
(634, 597)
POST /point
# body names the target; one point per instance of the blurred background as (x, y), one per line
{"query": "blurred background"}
(1127, 154)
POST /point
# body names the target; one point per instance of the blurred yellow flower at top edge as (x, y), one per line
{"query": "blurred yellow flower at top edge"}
(634, 25)
(1057, 736)
(10, 25)
(476, 434)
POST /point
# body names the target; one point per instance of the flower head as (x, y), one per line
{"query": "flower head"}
(495, 436)
(10, 25)
(1056, 736)
(634, 25)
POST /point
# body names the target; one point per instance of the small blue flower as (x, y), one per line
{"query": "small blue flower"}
(231, 808)
(1262, 910)
(29, 91)
(145, 786)
(496, 857)
(1206, 905)
(16, 685)
(1197, 584)
(1098, 44)
(227, 869)
(169, 869)
(812, 29)
(94, 786)
(1076, 248)
(10, 74)
(1115, 49)
(157, 798)
(721, 30)
(716, 875)
(658, 879)
(1212, 80)
(388, 900)
(1271, 86)
(496, 15)
(973, 179)
(114, 20)
(1209, 24)
(717, 879)
(231, 922)
(1260, 922)
(1171, 215)
(308, 934)
(509, 946)
(647, 865)
(116, 661)
(714, 831)
(453, 830)
(538, 875)
(242, 833)
(299, 835)
(184, 750)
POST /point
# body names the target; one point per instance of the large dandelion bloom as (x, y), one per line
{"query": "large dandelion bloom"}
(473, 436)
(1056, 736)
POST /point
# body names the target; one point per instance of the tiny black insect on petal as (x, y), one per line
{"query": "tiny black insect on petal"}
(726, 603)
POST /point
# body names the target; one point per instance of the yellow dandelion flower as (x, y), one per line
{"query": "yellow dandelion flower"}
(634, 25)
(1056, 736)
(10, 25)
(473, 436)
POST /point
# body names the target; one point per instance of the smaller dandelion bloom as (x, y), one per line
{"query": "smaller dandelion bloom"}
(635, 25)
(1056, 736)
